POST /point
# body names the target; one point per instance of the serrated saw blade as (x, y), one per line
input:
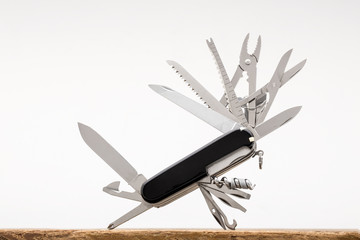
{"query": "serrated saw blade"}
(206, 96)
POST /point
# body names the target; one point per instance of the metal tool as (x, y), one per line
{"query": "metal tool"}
(247, 64)
(218, 121)
(218, 214)
(241, 124)
(199, 90)
(230, 94)
(215, 119)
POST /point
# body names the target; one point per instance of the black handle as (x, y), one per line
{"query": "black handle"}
(192, 168)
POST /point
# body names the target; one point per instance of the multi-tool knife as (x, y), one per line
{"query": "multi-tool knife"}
(241, 120)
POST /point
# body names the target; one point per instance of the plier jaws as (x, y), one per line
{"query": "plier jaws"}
(249, 59)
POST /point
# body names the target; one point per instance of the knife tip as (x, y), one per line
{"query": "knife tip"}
(298, 108)
(159, 88)
(154, 87)
(81, 125)
(82, 128)
(295, 110)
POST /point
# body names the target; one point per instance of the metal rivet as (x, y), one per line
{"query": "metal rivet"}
(247, 61)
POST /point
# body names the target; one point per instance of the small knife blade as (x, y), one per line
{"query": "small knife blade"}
(277, 121)
(105, 151)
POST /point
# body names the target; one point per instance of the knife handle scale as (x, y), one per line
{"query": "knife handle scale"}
(192, 168)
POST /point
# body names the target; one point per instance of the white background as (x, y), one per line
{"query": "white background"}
(63, 62)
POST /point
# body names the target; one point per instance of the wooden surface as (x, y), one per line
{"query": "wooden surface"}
(7, 234)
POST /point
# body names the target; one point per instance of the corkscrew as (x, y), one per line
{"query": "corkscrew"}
(234, 183)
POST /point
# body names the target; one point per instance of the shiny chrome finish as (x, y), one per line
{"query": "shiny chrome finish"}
(117, 162)
(277, 121)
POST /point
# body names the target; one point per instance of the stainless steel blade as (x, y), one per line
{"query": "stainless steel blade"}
(206, 96)
(117, 162)
(215, 119)
(292, 72)
(133, 213)
(277, 121)
(232, 99)
(280, 69)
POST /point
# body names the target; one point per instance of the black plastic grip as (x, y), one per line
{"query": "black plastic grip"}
(192, 168)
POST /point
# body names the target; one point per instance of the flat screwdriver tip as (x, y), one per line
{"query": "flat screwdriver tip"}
(111, 226)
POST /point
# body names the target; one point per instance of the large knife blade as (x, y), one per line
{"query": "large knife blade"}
(277, 121)
(215, 119)
(117, 162)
